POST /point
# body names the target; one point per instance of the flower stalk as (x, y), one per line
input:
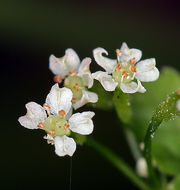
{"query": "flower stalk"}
(118, 163)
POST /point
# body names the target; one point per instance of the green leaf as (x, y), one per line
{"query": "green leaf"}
(104, 98)
(166, 147)
(122, 105)
(166, 142)
(166, 110)
(144, 104)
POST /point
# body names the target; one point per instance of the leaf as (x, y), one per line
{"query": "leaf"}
(104, 98)
(166, 110)
(122, 105)
(166, 147)
(175, 184)
(144, 104)
(166, 142)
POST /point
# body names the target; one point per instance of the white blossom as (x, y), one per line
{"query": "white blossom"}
(55, 117)
(141, 167)
(76, 76)
(178, 105)
(125, 72)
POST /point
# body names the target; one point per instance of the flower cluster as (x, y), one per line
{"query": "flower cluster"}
(76, 75)
(55, 116)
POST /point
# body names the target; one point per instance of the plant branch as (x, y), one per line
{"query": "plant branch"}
(118, 163)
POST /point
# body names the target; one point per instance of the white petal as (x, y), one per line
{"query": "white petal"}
(71, 59)
(106, 80)
(82, 123)
(146, 70)
(128, 54)
(84, 66)
(62, 66)
(49, 138)
(178, 105)
(35, 115)
(104, 62)
(64, 146)
(68, 115)
(87, 79)
(85, 73)
(59, 99)
(86, 97)
(132, 87)
(58, 66)
(124, 47)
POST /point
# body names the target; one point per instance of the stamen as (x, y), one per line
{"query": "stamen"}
(52, 132)
(124, 74)
(118, 52)
(76, 86)
(58, 78)
(72, 72)
(66, 126)
(133, 69)
(132, 61)
(73, 99)
(62, 113)
(46, 106)
(41, 125)
(118, 67)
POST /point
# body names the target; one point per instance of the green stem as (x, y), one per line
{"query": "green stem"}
(154, 124)
(118, 163)
(165, 111)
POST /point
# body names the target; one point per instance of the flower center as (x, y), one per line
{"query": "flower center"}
(75, 83)
(124, 71)
(56, 126)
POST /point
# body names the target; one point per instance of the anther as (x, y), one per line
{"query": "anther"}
(73, 99)
(124, 73)
(72, 72)
(118, 52)
(76, 86)
(66, 126)
(132, 61)
(118, 67)
(52, 132)
(58, 78)
(41, 125)
(62, 113)
(46, 106)
(133, 69)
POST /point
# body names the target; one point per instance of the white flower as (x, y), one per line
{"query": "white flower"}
(178, 105)
(76, 75)
(123, 71)
(62, 66)
(141, 167)
(55, 117)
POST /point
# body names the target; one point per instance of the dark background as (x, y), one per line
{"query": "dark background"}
(32, 30)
